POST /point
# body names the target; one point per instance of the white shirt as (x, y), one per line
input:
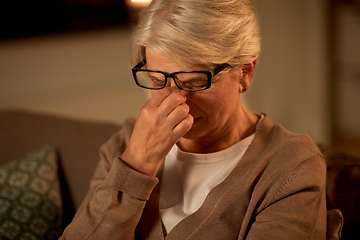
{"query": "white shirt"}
(189, 177)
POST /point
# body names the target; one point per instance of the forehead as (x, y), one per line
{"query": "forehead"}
(157, 61)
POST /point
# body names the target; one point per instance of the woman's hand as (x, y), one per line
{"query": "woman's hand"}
(162, 121)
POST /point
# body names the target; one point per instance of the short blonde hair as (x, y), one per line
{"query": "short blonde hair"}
(207, 32)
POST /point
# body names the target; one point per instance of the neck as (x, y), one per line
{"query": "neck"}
(239, 128)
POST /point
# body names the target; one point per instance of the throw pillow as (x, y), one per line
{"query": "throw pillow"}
(30, 197)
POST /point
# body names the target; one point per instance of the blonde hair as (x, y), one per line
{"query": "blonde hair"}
(207, 32)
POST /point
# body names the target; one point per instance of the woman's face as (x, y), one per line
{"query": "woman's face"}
(216, 111)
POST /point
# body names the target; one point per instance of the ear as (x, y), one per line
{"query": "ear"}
(247, 75)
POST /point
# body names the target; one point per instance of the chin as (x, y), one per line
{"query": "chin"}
(198, 129)
(194, 133)
(189, 135)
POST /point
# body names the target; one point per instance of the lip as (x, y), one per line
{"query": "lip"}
(196, 119)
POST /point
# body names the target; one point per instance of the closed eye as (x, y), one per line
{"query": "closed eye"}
(194, 84)
(192, 80)
(157, 82)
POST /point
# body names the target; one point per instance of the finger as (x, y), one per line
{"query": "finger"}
(183, 127)
(158, 96)
(155, 115)
(170, 103)
(177, 115)
(149, 109)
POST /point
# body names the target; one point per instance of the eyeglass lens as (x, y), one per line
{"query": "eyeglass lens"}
(187, 81)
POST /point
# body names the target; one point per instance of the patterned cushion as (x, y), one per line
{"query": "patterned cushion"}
(30, 197)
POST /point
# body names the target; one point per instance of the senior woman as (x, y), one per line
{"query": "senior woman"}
(196, 164)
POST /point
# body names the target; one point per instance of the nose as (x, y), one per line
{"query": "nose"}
(171, 83)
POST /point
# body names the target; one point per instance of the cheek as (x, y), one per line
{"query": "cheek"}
(213, 105)
(219, 100)
(225, 103)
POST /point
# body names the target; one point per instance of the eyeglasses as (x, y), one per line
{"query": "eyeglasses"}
(185, 80)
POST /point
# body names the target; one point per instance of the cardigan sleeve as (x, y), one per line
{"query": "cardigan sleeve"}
(116, 198)
(297, 210)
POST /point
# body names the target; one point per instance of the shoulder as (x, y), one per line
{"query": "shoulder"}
(280, 158)
(275, 139)
(278, 153)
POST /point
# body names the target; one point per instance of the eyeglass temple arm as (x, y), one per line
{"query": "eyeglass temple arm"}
(140, 64)
(220, 68)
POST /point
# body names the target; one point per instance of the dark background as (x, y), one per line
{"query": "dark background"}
(23, 18)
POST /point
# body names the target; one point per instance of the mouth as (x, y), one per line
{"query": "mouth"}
(196, 119)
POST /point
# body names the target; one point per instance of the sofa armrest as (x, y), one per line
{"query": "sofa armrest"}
(335, 221)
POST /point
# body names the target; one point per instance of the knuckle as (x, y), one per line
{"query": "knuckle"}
(166, 91)
(189, 121)
(181, 111)
(184, 109)
(169, 140)
(145, 110)
(146, 113)
(177, 98)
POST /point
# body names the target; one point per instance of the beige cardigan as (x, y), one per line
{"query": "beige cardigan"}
(277, 191)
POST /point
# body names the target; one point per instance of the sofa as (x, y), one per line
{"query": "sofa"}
(60, 154)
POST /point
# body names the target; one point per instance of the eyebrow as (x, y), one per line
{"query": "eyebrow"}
(190, 78)
(154, 75)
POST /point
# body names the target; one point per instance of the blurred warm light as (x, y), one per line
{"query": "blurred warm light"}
(138, 3)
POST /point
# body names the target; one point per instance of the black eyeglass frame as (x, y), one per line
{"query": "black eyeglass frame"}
(210, 74)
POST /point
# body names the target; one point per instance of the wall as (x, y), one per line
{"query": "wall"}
(88, 76)
(291, 83)
(347, 87)
(85, 76)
